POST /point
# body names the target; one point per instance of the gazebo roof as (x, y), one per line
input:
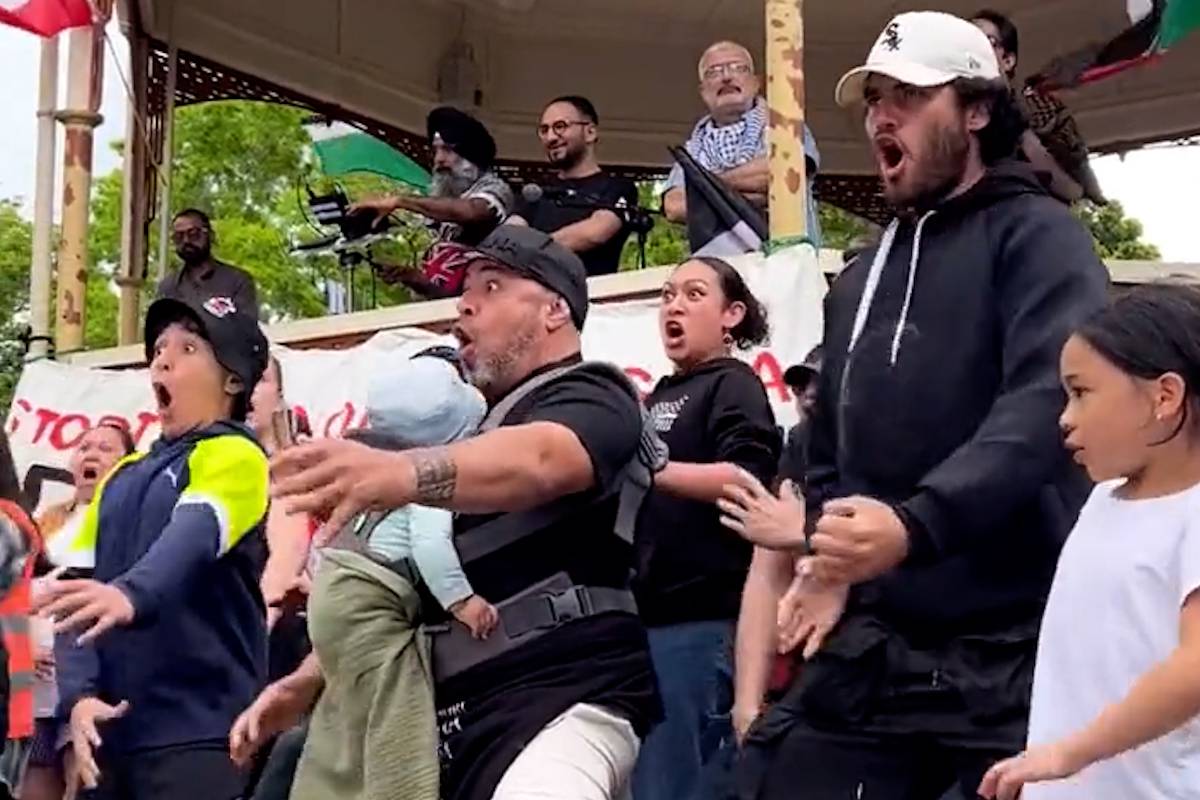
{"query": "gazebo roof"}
(390, 61)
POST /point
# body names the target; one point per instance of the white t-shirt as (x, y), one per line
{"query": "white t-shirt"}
(1113, 614)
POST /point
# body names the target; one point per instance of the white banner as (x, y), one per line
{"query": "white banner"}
(55, 403)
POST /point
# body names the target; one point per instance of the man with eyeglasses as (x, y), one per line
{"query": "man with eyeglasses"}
(202, 277)
(567, 209)
(731, 140)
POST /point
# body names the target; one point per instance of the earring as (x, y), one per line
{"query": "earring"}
(727, 339)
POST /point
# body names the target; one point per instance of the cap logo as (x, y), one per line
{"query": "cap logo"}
(219, 307)
(973, 63)
(891, 36)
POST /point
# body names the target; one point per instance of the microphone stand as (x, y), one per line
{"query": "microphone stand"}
(636, 218)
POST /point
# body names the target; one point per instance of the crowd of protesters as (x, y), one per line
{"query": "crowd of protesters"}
(970, 570)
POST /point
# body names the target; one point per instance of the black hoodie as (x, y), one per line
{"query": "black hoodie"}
(947, 405)
(689, 567)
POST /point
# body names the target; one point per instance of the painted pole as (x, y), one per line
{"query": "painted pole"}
(168, 160)
(785, 108)
(85, 66)
(131, 274)
(41, 267)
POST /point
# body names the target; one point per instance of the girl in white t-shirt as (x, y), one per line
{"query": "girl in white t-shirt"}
(1116, 690)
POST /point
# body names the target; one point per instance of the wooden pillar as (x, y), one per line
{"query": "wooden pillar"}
(785, 108)
(131, 273)
(84, 74)
(41, 271)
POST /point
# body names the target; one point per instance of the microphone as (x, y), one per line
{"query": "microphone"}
(532, 193)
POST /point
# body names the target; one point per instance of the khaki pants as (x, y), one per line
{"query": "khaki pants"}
(587, 753)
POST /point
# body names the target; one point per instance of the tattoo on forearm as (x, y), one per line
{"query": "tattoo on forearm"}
(437, 476)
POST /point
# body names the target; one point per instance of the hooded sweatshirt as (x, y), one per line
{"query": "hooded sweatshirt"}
(941, 396)
(689, 567)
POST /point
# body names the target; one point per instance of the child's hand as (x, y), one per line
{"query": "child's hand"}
(1045, 763)
(85, 738)
(89, 604)
(477, 614)
(808, 612)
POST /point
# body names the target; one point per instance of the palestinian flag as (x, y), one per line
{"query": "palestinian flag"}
(45, 17)
(720, 222)
(343, 149)
(1153, 27)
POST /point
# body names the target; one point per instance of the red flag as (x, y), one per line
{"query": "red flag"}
(45, 17)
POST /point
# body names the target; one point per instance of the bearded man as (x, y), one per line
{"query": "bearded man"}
(576, 208)
(938, 490)
(466, 201)
(202, 276)
(554, 703)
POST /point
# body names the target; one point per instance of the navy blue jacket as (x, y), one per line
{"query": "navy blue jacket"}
(180, 531)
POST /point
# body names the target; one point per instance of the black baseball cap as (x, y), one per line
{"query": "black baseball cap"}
(534, 255)
(799, 375)
(237, 341)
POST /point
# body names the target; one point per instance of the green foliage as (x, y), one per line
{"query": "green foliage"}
(1116, 235)
(16, 244)
(840, 229)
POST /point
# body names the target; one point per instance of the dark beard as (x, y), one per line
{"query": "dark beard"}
(941, 169)
(193, 256)
(570, 159)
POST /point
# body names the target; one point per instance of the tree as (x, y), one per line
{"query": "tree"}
(1116, 235)
(16, 252)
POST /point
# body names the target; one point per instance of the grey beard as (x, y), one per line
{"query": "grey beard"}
(454, 183)
(492, 375)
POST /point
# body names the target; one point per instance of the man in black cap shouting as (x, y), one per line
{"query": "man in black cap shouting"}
(466, 200)
(553, 704)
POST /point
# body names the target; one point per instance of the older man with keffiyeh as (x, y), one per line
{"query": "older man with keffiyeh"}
(731, 140)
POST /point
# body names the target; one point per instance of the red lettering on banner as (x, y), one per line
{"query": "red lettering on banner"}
(64, 431)
(45, 417)
(339, 421)
(144, 420)
(24, 406)
(766, 366)
(60, 439)
(303, 423)
(642, 380)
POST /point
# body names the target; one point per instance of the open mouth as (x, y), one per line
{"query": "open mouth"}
(90, 473)
(466, 346)
(673, 331)
(891, 156)
(162, 396)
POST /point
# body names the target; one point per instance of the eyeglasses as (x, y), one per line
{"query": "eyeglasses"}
(189, 235)
(734, 69)
(560, 127)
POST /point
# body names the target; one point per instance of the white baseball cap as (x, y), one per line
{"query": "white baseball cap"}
(923, 48)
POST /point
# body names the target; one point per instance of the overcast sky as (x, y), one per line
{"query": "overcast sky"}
(1157, 185)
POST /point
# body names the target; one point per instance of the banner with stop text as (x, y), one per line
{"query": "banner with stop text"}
(55, 404)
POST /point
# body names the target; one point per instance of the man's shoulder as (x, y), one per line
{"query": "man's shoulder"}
(232, 270)
(588, 380)
(490, 183)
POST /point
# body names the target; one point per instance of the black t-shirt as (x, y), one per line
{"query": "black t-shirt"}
(690, 567)
(490, 712)
(549, 214)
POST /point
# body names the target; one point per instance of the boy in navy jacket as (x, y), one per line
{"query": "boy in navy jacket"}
(173, 642)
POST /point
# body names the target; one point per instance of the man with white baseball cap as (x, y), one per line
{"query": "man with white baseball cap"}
(937, 489)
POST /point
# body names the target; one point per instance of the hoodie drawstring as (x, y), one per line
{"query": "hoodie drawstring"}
(908, 292)
(872, 284)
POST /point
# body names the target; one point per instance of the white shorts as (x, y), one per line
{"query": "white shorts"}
(587, 753)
